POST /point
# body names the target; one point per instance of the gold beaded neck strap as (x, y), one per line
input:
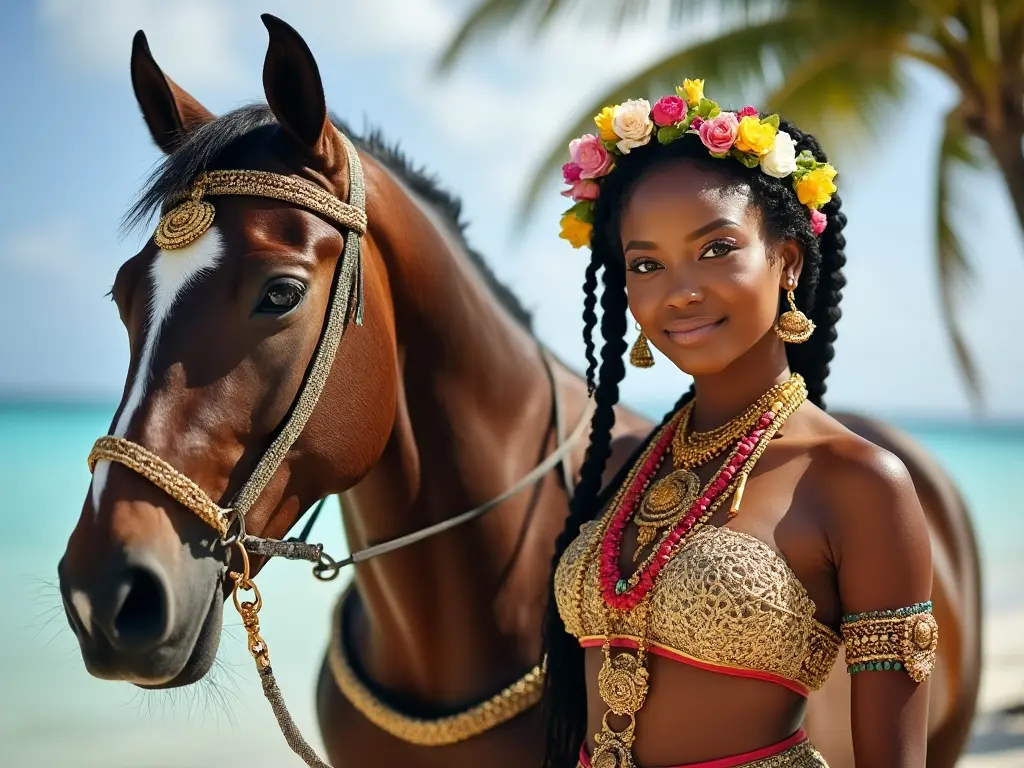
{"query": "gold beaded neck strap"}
(508, 703)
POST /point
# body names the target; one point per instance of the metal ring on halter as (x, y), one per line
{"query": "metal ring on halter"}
(327, 569)
(230, 539)
(243, 582)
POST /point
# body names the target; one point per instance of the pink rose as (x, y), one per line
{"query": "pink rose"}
(571, 173)
(719, 133)
(668, 111)
(590, 155)
(747, 112)
(818, 222)
(584, 189)
(696, 123)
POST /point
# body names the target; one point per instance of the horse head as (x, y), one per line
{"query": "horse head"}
(222, 332)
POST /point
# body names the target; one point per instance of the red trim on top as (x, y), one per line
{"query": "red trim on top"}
(735, 761)
(622, 641)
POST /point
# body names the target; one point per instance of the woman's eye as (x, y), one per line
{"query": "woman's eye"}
(644, 266)
(282, 296)
(718, 249)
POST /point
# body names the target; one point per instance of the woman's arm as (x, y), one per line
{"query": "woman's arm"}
(883, 558)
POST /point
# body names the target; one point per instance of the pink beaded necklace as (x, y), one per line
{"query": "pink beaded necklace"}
(625, 594)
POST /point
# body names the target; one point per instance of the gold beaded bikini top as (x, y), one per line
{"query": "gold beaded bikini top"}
(727, 602)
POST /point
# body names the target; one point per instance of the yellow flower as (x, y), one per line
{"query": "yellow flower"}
(575, 231)
(754, 136)
(603, 120)
(815, 188)
(694, 91)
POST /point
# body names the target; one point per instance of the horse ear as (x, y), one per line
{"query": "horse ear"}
(169, 111)
(291, 82)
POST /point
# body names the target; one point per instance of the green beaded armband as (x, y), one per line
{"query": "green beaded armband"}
(901, 639)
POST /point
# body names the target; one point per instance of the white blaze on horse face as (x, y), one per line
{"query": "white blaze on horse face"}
(172, 274)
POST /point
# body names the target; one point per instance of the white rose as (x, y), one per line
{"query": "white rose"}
(632, 124)
(780, 160)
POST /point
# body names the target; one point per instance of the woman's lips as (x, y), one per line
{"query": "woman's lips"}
(693, 330)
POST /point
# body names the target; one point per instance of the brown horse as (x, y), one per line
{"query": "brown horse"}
(439, 402)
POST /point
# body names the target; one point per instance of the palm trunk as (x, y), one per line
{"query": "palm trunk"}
(1009, 154)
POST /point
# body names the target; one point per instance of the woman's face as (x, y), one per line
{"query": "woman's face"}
(703, 283)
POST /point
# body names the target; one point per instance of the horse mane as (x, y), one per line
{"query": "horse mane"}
(223, 143)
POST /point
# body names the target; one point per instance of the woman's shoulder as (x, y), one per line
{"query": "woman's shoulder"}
(864, 490)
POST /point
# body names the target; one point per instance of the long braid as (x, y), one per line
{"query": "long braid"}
(590, 320)
(565, 685)
(820, 298)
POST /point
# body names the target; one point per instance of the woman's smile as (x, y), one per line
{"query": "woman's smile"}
(694, 330)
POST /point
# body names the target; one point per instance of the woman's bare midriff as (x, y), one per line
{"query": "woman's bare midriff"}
(692, 715)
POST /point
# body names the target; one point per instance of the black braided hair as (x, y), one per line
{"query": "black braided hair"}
(818, 294)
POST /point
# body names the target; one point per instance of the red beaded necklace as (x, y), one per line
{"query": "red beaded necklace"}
(623, 594)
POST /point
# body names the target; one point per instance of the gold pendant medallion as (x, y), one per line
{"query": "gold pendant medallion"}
(669, 499)
(622, 683)
(613, 749)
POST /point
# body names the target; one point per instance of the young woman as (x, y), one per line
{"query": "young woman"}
(707, 591)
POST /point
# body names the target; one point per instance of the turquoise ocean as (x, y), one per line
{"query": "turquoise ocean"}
(56, 716)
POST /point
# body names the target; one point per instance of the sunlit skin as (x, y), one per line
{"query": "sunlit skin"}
(704, 283)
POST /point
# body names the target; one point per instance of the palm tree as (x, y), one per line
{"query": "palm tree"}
(835, 66)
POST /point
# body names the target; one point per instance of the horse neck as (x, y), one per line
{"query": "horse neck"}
(472, 418)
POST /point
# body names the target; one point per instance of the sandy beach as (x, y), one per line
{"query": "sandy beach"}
(998, 740)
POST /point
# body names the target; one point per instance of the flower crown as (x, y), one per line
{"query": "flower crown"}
(745, 135)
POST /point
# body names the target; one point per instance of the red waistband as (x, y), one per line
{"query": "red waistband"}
(726, 762)
(625, 641)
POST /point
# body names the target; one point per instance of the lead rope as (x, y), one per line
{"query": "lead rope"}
(249, 611)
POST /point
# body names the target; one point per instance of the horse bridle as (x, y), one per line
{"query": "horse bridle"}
(182, 225)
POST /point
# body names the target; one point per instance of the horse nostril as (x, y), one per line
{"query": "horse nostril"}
(143, 619)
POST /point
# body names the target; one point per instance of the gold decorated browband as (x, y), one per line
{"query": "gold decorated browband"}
(190, 218)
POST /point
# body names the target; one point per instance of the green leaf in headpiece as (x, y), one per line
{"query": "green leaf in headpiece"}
(669, 133)
(806, 161)
(751, 161)
(705, 108)
(772, 120)
(584, 211)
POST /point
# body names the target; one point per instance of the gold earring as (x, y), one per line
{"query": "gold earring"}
(793, 327)
(640, 354)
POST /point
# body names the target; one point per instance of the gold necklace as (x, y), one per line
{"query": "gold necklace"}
(673, 495)
(694, 449)
(623, 681)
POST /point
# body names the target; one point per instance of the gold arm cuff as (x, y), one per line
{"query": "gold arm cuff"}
(500, 708)
(892, 642)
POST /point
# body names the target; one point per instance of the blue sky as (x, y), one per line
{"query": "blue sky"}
(75, 150)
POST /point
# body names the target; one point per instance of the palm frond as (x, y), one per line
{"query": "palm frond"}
(842, 91)
(491, 17)
(955, 151)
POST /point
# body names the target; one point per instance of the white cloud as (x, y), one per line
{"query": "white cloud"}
(381, 28)
(192, 38)
(203, 41)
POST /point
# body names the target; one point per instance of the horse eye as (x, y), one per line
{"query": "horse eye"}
(281, 297)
